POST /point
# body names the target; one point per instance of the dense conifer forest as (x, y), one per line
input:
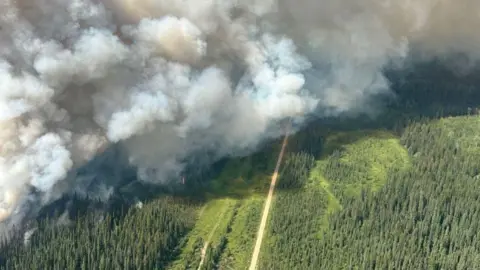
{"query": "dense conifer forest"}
(145, 237)
(426, 216)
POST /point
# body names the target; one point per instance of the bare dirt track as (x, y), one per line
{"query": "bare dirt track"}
(268, 202)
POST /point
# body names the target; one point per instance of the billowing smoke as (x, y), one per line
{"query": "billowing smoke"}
(168, 78)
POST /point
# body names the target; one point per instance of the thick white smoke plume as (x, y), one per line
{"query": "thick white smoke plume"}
(167, 78)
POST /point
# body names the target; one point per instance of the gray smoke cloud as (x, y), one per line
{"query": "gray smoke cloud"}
(168, 78)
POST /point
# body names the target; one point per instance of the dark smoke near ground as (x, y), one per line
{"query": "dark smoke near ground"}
(164, 81)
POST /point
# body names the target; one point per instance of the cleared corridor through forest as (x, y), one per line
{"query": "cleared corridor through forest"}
(266, 209)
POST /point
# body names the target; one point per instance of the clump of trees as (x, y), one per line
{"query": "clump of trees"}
(295, 170)
(146, 238)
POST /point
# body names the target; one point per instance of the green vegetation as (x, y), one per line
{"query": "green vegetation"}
(242, 233)
(229, 219)
(231, 235)
(359, 161)
(143, 239)
(369, 200)
(210, 227)
(244, 177)
(353, 162)
(367, 205)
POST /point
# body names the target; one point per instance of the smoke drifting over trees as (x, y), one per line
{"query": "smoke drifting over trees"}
(168, 78)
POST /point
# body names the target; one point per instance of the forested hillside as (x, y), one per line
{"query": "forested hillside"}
(369, 206)
(368, 200)
(143, 238)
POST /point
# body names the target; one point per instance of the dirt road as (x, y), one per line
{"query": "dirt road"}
(266, 209)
